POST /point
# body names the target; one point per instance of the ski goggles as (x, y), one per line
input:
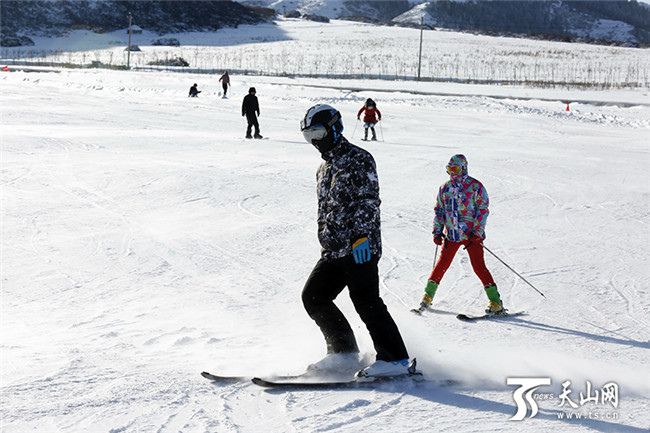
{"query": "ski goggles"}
(453, 169)
(316, 132)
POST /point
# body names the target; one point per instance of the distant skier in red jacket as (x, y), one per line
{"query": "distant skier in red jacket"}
(372, 116)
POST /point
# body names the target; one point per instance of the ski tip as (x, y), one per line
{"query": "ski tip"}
(416, 311)
(214, 378)
(464, 317)
(262, 382)
(292, 383)
(224, 379)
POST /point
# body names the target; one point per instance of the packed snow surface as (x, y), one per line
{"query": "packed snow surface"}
(144, 240)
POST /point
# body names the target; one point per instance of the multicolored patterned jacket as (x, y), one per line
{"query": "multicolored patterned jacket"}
(348, 201)
(461, 209)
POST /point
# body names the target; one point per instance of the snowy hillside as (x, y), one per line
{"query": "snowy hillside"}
(144, 240)
(624, 21)
(330, 8)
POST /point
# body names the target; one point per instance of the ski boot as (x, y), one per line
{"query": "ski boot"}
(335, 363)
(385, 369)
(425, 302)
(495, 309)
(496, 305)
(427, 298)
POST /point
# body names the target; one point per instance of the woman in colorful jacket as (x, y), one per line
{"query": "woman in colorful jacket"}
(370, 119)
(461, 213)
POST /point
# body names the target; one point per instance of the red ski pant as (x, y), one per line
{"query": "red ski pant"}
(475, 251)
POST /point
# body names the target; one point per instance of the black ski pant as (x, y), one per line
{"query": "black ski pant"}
(252, 121)
(326, 281)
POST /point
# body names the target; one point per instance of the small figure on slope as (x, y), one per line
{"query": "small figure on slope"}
(194, 91)
(349, 234)
(372, 116)
(225, 82)
(251, 109)
(461, 213)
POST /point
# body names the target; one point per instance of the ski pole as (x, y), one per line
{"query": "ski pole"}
(381, 130)
(422, 306)
(516, 273)
(355, 128)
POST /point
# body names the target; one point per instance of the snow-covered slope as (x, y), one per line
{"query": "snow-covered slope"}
(145, 240)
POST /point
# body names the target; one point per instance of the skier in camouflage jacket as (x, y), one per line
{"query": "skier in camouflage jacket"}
(350, 237)
(348, 201)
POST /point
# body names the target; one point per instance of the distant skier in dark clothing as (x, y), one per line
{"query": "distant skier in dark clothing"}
(194, 91)
(251, 109)
(372, 116)
(225, 82)
(350, 237)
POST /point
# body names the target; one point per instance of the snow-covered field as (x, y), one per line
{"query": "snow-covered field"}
(144, 240)
(344, 48)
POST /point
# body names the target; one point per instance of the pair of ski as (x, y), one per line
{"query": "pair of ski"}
(314, 382)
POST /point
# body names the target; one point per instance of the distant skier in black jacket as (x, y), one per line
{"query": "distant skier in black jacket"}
(251, 109)
(350, 236)
(194, 91)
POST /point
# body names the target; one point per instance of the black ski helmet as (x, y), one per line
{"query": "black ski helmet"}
(252, 90)
(322, 126)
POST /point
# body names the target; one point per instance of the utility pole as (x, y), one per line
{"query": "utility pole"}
(128, 55)
(420, 56)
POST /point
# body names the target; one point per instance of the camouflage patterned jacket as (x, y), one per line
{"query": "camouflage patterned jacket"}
(348, 201)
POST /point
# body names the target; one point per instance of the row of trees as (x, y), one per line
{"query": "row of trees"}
(55, 17)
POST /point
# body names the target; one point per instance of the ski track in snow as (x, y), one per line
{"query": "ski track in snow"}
(144, 240)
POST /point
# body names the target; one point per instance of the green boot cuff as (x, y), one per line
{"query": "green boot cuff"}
(493, 294)
(431, 288)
